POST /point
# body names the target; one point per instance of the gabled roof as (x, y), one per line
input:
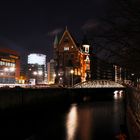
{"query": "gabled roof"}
(70, 36)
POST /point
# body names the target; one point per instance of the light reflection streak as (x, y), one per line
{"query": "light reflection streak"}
(72, 122)
(118, 94)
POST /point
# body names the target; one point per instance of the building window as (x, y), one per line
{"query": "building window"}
(66, 48)
(72, 56)
(79, 72)
(66, 40)
(86, 48)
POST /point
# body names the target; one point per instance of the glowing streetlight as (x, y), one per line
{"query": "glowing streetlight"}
(40, 73)
(6, 69)
(72, 71)
(12, 69)
(1, 74)
(34, 73)
(54, 75)
(132, 74)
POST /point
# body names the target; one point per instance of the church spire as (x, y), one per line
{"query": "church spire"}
(66, 28)
(55, 41)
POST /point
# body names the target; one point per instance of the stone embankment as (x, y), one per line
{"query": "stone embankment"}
(133, 112)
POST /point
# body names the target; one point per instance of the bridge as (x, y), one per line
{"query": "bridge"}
(98, 84)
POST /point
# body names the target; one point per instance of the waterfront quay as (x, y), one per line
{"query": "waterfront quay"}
(15, 97)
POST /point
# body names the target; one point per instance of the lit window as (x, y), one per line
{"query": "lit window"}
(87, 59)
(66, 48)
(66, 40)
(87, 50)
(40, 72)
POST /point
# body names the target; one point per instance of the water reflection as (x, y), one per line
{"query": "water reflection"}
(72, 122)
(85, 119)
(90, 120)
(95, 120)
(118, 94)
(79, 122)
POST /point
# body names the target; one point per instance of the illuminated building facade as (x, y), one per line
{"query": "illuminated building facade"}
(76, 62)
(51, 72)
(72, 60)
(36, 68)
(9, 66)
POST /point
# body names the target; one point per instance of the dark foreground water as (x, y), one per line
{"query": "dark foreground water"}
(85, 120)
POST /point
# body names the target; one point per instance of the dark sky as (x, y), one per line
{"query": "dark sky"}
(30, 25)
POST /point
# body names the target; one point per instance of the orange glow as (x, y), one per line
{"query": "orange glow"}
(72, 123)
(7, 60)
(85, 65)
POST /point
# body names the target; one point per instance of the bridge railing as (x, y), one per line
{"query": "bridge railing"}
(98, 84)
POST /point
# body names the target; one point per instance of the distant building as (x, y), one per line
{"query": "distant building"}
(9, 66)
(102, 70)
(76, 62)
(36, 68)
(23, 74)
(72, 60)
(51, 72)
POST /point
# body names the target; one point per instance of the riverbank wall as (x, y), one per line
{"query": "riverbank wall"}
(16, 97)
(133, 112)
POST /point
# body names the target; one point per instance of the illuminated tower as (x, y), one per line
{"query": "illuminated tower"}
(85, 60)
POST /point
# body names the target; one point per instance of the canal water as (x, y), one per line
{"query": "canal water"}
(84, 120)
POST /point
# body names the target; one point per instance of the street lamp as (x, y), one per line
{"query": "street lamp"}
(35, 74)
(54, 78)
(54, 75)
(12, 69)
(40, 73)
(72, 71)
(6, 69)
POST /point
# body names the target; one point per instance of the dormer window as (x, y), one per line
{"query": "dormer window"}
(66, 40)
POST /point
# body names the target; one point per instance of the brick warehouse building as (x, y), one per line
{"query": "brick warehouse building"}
(72, 60)
(9, 66)
(77, 62)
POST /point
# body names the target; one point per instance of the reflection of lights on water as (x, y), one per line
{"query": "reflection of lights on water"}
(116, 91)
(118, 94)
(71, 122)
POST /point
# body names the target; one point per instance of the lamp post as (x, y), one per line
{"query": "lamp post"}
(35, 74)
(54, 78)
(72, 71)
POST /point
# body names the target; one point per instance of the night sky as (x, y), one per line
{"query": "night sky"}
(30, 25)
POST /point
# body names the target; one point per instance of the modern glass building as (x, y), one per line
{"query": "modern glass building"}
(36, 67)
(9, 66)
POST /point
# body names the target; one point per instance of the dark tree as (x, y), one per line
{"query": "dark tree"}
(116, 37)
